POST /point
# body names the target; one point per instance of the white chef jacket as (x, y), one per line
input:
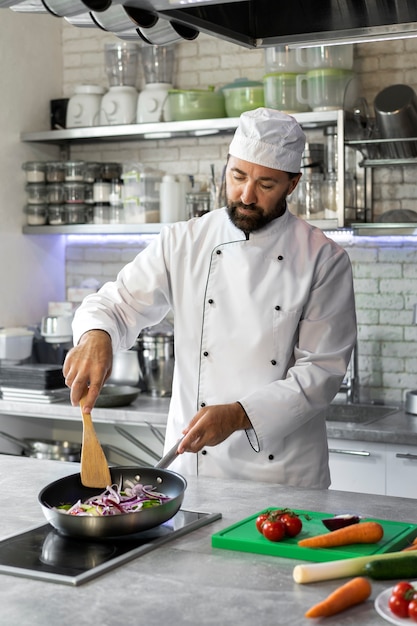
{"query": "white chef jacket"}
(268, 321)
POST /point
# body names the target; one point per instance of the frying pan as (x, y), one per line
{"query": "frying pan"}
(70, 489)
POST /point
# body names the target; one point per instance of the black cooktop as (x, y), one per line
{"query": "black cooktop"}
(44, 554)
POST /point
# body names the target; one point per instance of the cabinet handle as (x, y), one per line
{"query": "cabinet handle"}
(411, 457)
(350, 452)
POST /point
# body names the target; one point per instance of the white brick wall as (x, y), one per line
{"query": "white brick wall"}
(385, 271)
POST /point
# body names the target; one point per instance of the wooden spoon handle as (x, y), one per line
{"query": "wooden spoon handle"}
(94, 467)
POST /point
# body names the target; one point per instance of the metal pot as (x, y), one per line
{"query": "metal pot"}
(411, 402)
(396, 117)
(156, 360)
(70, 489)
(46, 449)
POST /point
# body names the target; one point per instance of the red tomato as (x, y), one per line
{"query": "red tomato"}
(260, 520)
(412, 609)
(398, 605)
(274, 530)
(292, 523)
(401, 588)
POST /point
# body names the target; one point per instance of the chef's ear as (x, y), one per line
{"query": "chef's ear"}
(294, 180)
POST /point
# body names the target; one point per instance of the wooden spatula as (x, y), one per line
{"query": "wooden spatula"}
(94, 467)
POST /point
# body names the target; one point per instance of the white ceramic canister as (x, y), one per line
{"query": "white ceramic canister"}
(118, 106)
(84, 106)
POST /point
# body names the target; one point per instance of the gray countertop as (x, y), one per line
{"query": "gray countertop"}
(185, 581)
(399, 427)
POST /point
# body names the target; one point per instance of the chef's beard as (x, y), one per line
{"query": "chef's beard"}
(257, 218)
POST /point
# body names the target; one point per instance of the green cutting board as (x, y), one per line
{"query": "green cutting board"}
(244, 537)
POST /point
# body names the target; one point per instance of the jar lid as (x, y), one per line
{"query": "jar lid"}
(34, 165)
(59, 165)
(238, 83)
(37, 209)
(75, 206)
(90, 89)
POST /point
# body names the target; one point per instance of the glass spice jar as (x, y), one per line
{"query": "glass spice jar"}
(75, 213)
(74, 171)
(36, 193)
(35, 171)
(74, 192)
(56, 214)
(55, 171)
(36, 214)
(55, 193)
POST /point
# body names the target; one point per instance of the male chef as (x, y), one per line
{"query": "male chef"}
(264, 319)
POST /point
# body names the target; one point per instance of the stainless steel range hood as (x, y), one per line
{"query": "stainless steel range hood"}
(261, 23)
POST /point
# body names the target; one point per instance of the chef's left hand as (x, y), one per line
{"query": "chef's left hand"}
(212, 425)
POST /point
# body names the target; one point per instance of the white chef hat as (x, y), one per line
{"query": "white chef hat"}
(269, 138)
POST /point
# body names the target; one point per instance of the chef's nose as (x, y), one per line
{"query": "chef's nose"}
(248, 195)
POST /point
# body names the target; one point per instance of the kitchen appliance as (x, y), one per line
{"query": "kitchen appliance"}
(158, 68)
(156, 359)
(84, 106)
(263, 23)
(118, 105)
(57, 328)
(15, 343)
(42, 553)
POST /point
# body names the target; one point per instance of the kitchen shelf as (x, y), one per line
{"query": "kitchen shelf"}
(166, 131)
(94, 229)
(163, 130)
(373, 151)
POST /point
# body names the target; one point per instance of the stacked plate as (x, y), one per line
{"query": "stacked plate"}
(33, 383)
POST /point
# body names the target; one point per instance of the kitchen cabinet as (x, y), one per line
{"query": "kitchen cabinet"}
(401, 470)
(357, 466)
(170, 130)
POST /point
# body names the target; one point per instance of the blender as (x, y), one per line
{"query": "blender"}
(118, 105)
(158, 67)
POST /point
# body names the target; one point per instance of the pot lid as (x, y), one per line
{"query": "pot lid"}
(242, 82)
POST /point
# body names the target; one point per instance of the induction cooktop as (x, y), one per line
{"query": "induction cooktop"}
(43, 553)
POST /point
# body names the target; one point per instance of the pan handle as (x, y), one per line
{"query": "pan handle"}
(136, 442)
(168, 458)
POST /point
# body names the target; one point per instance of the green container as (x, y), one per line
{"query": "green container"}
(195, 104)
(243, 95)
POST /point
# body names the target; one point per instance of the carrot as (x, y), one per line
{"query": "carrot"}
(364, 532)
(412, 546)
(353, 592)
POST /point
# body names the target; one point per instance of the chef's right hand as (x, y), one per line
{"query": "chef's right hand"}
(87, 366)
